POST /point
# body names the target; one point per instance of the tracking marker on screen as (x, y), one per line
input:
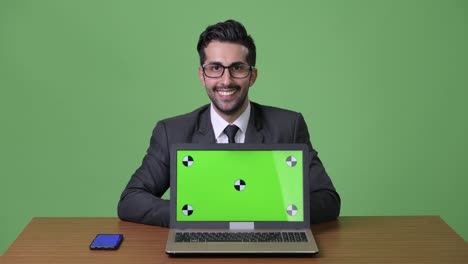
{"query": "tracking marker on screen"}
(291, 161)
(187, 210)
(187, 161)
(239, 185)
(291, 210)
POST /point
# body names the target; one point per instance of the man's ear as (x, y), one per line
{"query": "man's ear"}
(253, 77)
(201, 76)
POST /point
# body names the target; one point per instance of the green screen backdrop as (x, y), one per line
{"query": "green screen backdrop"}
(381, 84)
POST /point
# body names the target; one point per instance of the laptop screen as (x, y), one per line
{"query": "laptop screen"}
(239, 185)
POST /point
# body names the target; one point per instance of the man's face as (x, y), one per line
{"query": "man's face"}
(228, 94)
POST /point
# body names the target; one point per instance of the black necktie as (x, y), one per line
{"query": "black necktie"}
(231, 131)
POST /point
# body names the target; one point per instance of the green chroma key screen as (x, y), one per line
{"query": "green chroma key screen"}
(239, 185)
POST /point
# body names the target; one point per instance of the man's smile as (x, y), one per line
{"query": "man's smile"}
(226, 92)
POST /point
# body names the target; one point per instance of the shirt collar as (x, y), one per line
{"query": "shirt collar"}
(219, 124)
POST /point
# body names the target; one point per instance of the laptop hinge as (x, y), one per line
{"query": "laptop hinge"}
(241, 225)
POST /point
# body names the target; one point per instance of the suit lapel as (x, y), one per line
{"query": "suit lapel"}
(254, 133)
(204, 134)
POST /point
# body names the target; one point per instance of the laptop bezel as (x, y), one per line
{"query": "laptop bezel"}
(174, 224)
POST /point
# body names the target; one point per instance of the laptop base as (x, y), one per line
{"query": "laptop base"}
(243, 248)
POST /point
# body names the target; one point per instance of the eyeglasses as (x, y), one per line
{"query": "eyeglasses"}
(238, 70)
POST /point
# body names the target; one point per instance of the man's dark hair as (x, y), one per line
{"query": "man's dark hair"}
(228, 31)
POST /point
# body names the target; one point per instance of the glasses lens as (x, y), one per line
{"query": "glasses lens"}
(213, 70)
(239, 70)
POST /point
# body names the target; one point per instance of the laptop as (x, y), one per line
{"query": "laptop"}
(239, 199)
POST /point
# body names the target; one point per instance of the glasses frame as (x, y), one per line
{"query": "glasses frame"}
(229, 70)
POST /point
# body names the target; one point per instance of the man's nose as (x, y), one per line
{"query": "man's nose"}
(226, 77)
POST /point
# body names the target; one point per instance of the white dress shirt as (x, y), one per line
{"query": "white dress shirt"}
(219, 124)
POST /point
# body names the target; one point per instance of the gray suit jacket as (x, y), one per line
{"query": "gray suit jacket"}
(140, 201)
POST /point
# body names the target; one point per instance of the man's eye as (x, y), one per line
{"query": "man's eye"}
(215, 68)
(236, 68)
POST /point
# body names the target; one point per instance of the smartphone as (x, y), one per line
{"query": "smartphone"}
(106, 241)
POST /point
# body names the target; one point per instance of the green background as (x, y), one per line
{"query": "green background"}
(208, 185)
(381, 84)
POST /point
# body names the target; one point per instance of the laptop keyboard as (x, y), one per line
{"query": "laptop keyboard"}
(240, 237)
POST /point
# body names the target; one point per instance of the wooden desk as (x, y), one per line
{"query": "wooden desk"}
(418, 239)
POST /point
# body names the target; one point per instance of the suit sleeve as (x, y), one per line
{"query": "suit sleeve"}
(324, 200)
(141, 199)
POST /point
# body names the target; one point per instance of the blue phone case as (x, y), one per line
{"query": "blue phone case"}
(106, 241)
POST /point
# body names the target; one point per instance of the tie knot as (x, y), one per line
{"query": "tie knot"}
(231, 131)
